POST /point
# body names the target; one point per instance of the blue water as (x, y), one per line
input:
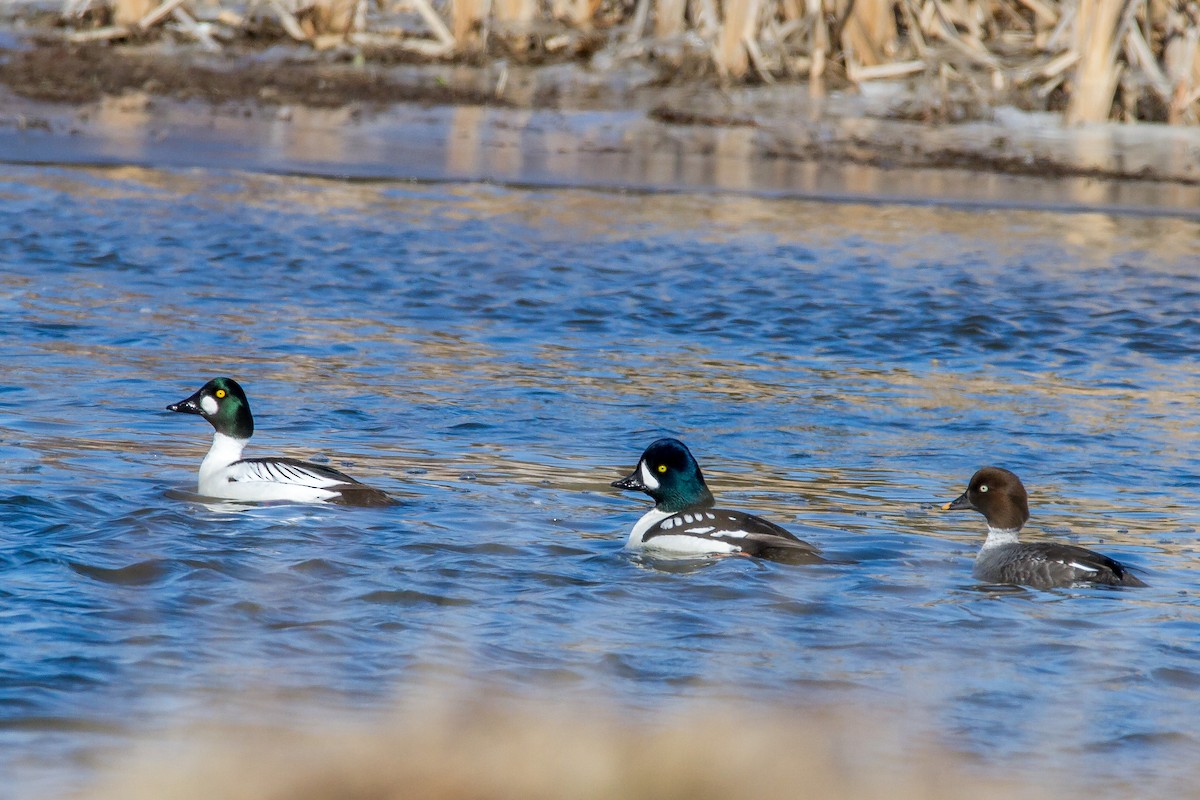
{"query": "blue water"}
(495, 357)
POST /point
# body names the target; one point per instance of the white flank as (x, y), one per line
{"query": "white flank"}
(689, 546)
(223, 475)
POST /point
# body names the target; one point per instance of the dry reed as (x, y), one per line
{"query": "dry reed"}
(1093, 59)
(493, 752)
(1096, 37)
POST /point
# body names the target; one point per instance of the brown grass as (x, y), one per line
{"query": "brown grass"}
(1095, 59)
(494, 752)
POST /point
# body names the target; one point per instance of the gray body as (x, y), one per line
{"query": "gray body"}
(1046, 565)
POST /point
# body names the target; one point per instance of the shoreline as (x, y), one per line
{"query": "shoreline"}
(289, 111)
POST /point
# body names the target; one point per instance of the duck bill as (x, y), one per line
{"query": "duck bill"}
(632, 482)
(958, 504)
(189, 406)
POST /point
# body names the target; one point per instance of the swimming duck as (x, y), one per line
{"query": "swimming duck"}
(1000, 496)
(685, 520)
(226, 475)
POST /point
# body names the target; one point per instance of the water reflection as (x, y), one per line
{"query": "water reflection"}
(624, 149)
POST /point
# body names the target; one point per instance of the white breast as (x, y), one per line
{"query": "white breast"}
(224, 451)
(648, 521)
(997, 537)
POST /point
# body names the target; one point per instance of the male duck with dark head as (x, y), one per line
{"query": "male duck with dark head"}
(999, 495)
(685, 522)
(225, 474)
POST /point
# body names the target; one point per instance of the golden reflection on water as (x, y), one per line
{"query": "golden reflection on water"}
(912, 230)
(464, 158)
(625, 148)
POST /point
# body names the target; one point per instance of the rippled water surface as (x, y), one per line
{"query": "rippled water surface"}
(494, 358)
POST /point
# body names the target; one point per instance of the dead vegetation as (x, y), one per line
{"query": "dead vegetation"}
(1090, 59)
(471, 752)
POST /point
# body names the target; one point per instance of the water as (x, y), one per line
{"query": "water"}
(494, 357)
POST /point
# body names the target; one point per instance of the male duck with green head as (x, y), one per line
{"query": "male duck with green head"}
(226, 475)
(685, 522)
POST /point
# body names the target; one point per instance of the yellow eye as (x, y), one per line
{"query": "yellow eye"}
(662, 467)
(220, 394)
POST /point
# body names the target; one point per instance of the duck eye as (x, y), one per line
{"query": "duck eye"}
(983, 487)
(220, 394)
(662, 467)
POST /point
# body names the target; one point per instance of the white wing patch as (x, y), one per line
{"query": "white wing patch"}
(1083, 567)
(688, 519)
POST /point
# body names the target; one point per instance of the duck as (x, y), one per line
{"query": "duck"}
(224, 474)
(1000, 496)
(685, 521)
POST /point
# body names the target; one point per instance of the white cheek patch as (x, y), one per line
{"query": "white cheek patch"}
(208, 404)
(649, 480)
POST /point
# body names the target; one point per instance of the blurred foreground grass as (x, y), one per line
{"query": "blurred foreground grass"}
(489, 751)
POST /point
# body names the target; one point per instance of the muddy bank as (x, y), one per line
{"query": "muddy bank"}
(285, 108)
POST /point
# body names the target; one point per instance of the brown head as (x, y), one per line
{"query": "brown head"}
(997, 494)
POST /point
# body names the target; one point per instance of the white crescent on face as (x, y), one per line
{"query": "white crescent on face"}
(208, 404)
(649, 480)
